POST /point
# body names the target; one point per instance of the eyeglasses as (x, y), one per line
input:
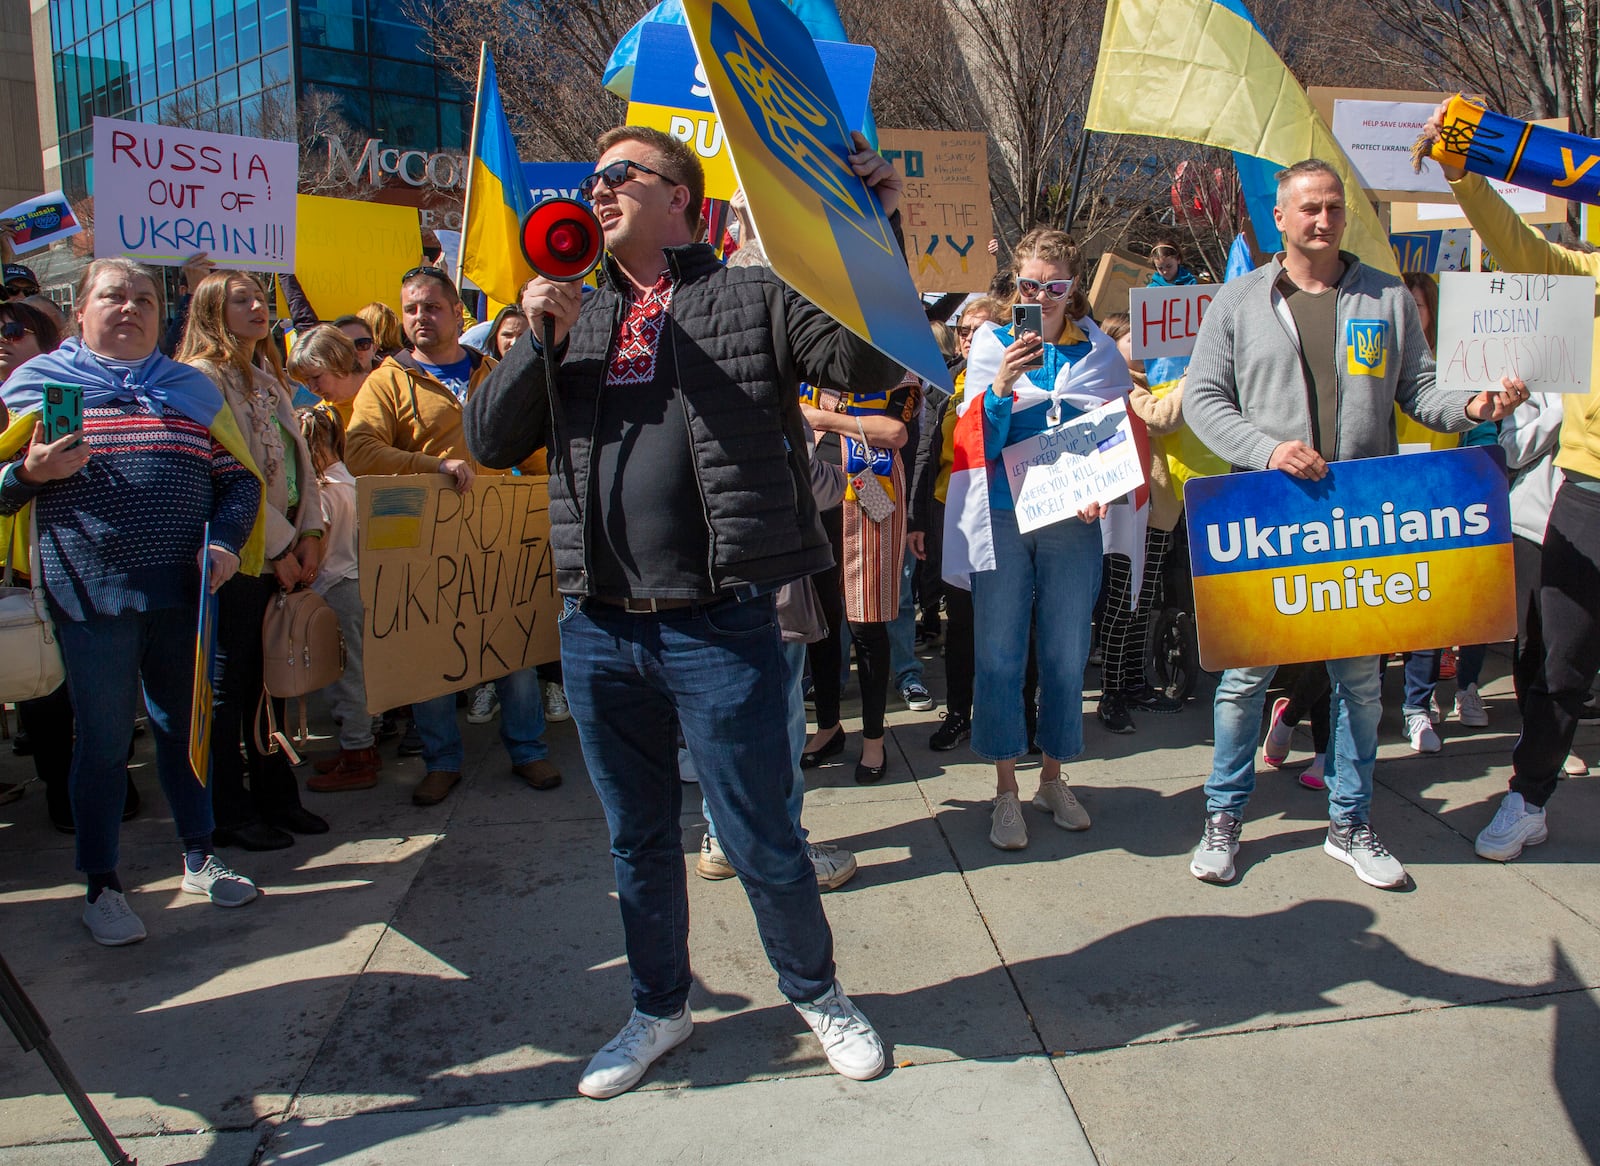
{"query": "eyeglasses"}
(965, 330)
(616, 173)
(14, 330)
(1056, 289)
(363, 343)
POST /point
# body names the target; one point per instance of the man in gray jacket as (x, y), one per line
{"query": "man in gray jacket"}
(1297, 364)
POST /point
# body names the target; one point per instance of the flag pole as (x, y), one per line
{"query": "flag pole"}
(472, 156)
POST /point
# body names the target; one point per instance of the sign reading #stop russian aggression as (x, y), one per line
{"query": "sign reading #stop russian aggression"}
(1389, 554)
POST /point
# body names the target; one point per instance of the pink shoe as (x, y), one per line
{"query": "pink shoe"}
(1311, 775)
(1275, 749)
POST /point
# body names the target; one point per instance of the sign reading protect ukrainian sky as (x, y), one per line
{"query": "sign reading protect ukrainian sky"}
(820, 224)
(1387, 554)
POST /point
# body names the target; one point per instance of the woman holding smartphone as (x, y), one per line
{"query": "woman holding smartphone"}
(1020, 383)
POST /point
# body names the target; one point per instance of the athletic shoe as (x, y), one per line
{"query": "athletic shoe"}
(848, 1040)
(1447, 664)
(1590, 712)
(953, 729)
(916, 696)
(111, 921)
(1469, 708)
(1151, 700)
(1007, 830)
(1419, 731)
(834, 865)
(1515, 825)
(713, 864)
(1575, 766)
(1355, 845)
(485, 704)
(1213, 858)
(1435, 708)
(621, 1063)
(1314, 776)
(555, 704)
(1057, 799)
(1275, 749)
(1113, 713)
(410, 741)
(216, 881)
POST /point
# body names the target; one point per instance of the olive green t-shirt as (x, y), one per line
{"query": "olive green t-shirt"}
(1315, 316)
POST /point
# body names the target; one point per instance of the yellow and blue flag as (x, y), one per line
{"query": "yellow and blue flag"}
(497, 198)
(1202, 71)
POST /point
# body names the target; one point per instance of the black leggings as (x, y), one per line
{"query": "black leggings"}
(872, 645)
(1312, 695)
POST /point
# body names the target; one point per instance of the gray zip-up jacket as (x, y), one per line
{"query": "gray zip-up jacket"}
(1247, 389)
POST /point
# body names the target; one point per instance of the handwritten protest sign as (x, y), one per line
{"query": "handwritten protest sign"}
(1092, 458)
(39, 222)
(671, 93)
(350, 253)
(458, 588)
(162, 194)
(1381, 555)
(1165, 320)
(1537, 327)
(945, 210)
(1117, 274)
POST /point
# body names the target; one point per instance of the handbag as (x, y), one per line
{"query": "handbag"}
(800, 617)
(30, 655)
(870, 495)
(302, 651)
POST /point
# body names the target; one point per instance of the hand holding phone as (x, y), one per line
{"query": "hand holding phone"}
(63, 412)
(1027, 318)
(52, 461)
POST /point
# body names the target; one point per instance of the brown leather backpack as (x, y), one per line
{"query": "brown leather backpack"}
(302, 651)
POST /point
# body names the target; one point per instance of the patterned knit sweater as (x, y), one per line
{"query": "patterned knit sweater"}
(123, 534)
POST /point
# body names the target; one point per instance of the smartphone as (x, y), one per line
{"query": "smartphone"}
(63, 411)
(1028, 318)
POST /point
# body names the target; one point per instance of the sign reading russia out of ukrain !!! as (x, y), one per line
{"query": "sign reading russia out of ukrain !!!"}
(1387, 554)
(822, 227)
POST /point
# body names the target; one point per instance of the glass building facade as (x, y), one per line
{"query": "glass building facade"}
(236, 67)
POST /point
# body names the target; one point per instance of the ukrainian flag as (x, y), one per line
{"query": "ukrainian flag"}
(1202, 71)
(497, 198)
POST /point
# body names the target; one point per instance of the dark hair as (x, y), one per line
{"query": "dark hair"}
(1423, 282)
(348, 319)
(43, 327)
(492, 342)
(681, 163)
(438, 275)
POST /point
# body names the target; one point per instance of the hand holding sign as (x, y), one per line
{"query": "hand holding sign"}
(874, 169)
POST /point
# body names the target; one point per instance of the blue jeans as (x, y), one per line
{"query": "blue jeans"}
(521, 723)
(1048, 578)
(105, 658)
(1422, 673)
(1357, 707)
(903, 631)
(794, 659)
(717, 675)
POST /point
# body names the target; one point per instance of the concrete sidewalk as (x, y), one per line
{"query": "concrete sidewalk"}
(424, 986)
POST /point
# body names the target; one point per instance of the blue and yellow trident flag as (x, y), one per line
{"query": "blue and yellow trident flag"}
(821, 225)
(1540, 158)
(1201, 71)
(497, 198)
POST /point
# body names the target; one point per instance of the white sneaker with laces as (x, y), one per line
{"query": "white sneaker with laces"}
(1514, 825)
(621, 1063)
(1469, 708)
(1355, 845)
(852, 1046)
(223, 886)
(713, 864)
(555, 703)
(1007, 830)
(1419, 732)
(834, 865)
(111, 921)
(1212, 861)
(1057, 799)
(484, 705)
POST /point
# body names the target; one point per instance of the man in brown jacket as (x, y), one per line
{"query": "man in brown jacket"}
(407, 420)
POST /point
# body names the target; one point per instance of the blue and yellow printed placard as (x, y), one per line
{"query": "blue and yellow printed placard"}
(1388, 554)
(820, 224)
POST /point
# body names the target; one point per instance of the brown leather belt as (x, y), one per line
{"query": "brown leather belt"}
(650, 606)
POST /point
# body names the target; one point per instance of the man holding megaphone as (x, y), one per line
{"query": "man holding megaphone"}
(680, 500)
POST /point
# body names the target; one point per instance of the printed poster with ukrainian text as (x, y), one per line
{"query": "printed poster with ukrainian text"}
(1387, 554)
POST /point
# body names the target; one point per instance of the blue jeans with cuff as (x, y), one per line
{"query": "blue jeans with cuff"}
(521, 723)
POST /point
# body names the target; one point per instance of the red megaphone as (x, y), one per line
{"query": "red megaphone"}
(562, 239)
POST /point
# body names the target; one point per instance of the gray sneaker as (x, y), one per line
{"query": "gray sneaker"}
(111, 921)
(1213, 858)
(215, 880)
(1057, 799)
(1355, 845)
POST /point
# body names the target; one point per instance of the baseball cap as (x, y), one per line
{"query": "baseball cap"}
(18, 271)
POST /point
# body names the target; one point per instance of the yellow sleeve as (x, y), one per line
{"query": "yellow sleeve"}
(1515, 244)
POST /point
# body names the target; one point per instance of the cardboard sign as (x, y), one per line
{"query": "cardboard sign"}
(164, 194)
(671, 93)
(1537, 327)
(823, 229)
(1092, 458)
(350, 253)
(945, 212)
(458, 588)
(39, 222)
(1382, 555)
(1165, 320)
(1117, 274)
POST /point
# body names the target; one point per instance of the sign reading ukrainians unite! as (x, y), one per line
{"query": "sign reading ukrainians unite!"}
(1382, 555)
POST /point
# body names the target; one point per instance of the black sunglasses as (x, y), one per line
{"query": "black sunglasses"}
(14, 330)
(616, 173)
(431, 272)
(363, 343)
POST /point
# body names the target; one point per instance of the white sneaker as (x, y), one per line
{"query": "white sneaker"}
(215, 880)
(1469, 708)
(555, 703)
(1358, 847)
(834, 866)
(713, 864)
(1515, 825)
(483, 706)
(1419, 731)
(848, 1039)
(1213, 858)
(1007, 830)
(111, 921)
(621, 1064)
(1057, 799)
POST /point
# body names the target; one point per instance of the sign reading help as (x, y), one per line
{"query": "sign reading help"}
(1382, 555)
(1092, 458)
(164, 194)
(945, 211)
(458, 589)
(1165, 320)
(1537, 327)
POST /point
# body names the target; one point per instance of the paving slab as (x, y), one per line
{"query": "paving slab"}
(207, 1149)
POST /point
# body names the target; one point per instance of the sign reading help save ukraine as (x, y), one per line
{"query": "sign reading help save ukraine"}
(1387, 554)
(821, 225)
